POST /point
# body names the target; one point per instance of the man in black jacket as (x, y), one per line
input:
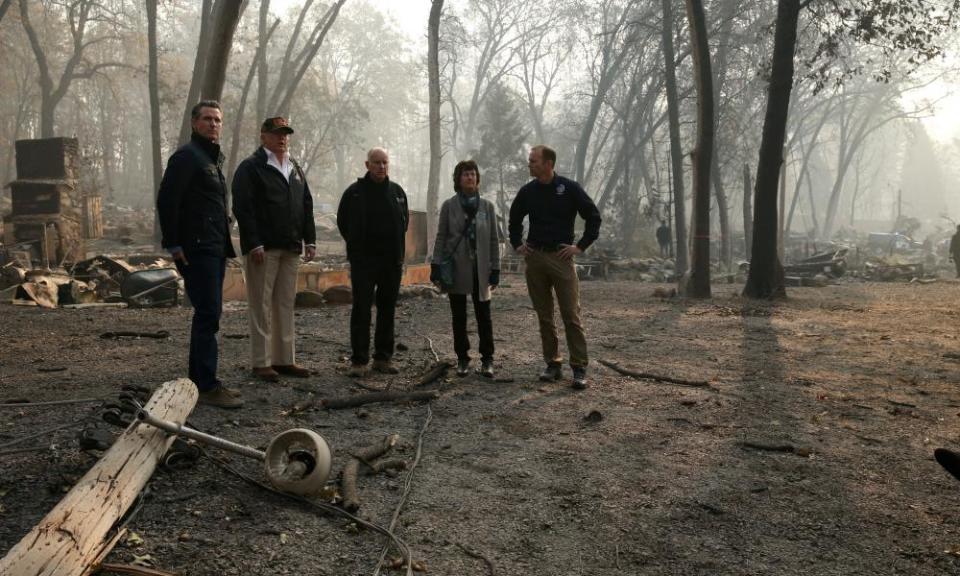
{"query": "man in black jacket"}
(192, 210)
(552, 204)
(274, 209)
(372, 218)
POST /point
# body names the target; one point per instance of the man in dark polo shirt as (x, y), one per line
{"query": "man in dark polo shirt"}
(552, 203)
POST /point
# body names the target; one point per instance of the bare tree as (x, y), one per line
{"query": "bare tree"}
(765, 279)
(698, 283)
(153, 87)
(80, 15)
(199, 65)
(676, 153)
(433, 75)
(226, 16)
(4, 6)
(255, 69)
(294, 66)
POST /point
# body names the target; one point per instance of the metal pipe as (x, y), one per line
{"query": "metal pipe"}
(179, 429)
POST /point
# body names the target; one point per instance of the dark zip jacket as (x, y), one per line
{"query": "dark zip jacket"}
(270, 211)
(192, 201)
(353, 221)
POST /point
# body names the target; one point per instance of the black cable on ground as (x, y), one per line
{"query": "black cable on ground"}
(323, 506)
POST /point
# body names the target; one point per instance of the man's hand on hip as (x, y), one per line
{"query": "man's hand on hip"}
(523, 250)
(568, 251)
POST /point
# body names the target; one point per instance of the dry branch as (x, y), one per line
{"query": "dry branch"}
(392, 465)
(786, 448)
(351, 501)
(647, 376)
(374, 397)
(437, 371)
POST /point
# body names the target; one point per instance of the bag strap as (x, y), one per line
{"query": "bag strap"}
(462, 233)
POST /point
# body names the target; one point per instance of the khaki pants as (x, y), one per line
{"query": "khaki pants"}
(271, 290)
(547, 273)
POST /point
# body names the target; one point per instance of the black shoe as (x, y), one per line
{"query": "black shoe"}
(551, 373)
(486, 368)
(579, 379)
(950, 461)
(463, 367)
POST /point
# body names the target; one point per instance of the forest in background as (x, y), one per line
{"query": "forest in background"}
(586, 77)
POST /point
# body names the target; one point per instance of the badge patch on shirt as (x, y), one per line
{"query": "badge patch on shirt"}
(561, 189)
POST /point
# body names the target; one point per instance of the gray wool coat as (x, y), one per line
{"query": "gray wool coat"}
(449, 229)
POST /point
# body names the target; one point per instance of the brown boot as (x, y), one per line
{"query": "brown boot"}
(294, 370)
(357, 370)
(266, 374)
(221, 397)
(385, 367)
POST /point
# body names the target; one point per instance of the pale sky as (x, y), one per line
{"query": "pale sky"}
(410, 15)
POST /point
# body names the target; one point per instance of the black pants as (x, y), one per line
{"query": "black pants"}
(203, 280)
(373, 282)
(481, 311)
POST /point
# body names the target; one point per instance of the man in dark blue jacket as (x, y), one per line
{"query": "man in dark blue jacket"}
(194, 224)
(372, 218)
(552, 204)
(274, 209)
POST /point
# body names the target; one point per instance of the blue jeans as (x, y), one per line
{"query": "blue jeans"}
(203, 279)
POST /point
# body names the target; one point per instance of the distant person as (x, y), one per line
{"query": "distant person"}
(467, 230)
(372, 218)
(552, 203)
(955, 250)
(194, 227)
(663, 239)
(274, 210)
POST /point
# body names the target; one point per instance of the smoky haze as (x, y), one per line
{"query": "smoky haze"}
(863, 149)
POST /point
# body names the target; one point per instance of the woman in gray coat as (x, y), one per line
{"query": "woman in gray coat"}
(468, 229)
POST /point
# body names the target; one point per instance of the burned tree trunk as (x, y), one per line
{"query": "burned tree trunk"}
(153, 86)
(766, 271)
(225, 19)
(199, 64)
(698, 283)
(747, 213)
(433, 73)
(676, 154)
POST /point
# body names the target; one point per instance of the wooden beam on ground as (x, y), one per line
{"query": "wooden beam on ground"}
(75, 536)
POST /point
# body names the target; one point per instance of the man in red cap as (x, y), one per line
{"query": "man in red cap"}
(274, 209)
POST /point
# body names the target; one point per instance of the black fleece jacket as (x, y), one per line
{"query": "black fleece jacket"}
(355, 220)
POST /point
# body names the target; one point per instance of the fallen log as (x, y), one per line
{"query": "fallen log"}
(351, 502)
(375, 397)
(647, 376)
(74, 537)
